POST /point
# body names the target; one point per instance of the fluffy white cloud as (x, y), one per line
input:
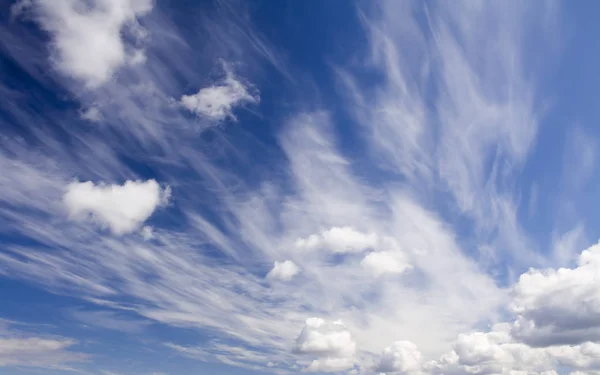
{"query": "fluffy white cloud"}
(560, 306)
(122, 208)
(328, 339)
(339, 240)
(285, 270)
(331, 364)
(216, 102)
(382, 262)
(401, 357)
(88, 35)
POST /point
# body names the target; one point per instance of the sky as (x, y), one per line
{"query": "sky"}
(277, 187)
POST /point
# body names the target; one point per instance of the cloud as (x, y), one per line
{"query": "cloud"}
(206, 273)
(497, 352)
(330, 342)
(324, 338)
(339, 240)
(285, 270)
(109, 320)
(92, 114)
(217, 101)
(383, 262)
(559, 306)
(401, 357)
(492, 352)
(121, 208)
(87, 37)
(19, 348)
(330, 365)
(451, 114)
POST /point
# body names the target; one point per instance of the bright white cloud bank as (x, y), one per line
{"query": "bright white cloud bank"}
(555, 326)
(87, 35)
(560, 306)
(121, 208)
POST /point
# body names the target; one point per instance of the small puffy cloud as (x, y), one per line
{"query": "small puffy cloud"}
(401, 357)
(384, 262)
(87, 36)
(92, 114)
(285, 270)
(339, 240)
(147, 233)
(325, 339)
(121, 208)
(559, 306)
(216, 102)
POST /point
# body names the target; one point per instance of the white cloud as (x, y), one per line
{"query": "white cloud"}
(109, 320)
(327, 339)
(35, 351)
(147, 232)
(330, 342)
(330, 365)
(92, 114)
(217, 101)
(22, 349)
(122, 208)
(339, 240)
(492, 352)
(87, 35)
(401, 357)
(382, 262)
(285, 270)
(560, 306)
(497, 352)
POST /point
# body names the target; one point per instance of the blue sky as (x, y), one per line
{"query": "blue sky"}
(224, 187)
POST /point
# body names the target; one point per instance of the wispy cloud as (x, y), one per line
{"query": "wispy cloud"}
(267, 265)
(449, 114)
(17, 348)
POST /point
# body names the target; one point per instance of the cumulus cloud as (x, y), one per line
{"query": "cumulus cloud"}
(382, 262)
(339, 240)
(330, 365)
(216, 102)
(493, 352)
(121, 208)
(497, 352)
(401, 357)
(323, 338)
(87, 36)
(560, 306)
(285, 270)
